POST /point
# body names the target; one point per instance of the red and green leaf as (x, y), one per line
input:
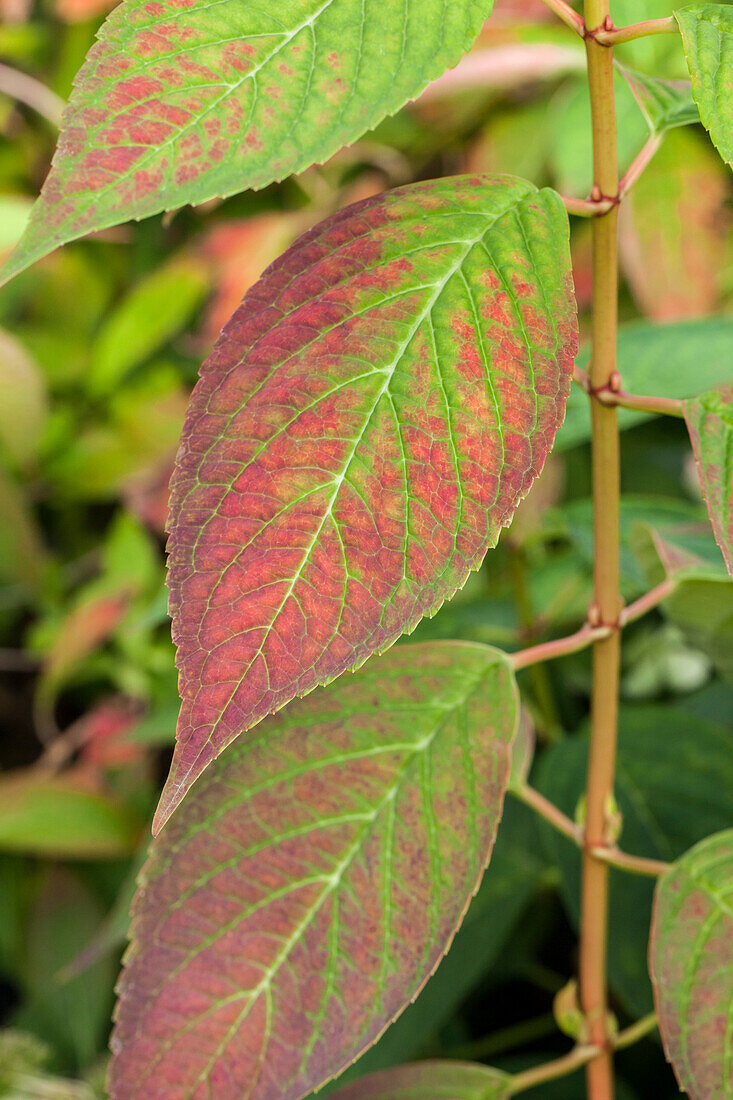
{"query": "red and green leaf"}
(303, 894)
(181, 101)
(371, 417)
(691, 964)
(710, 423)
(430, 1081)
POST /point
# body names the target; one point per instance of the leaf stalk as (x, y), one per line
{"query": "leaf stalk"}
(613, 36)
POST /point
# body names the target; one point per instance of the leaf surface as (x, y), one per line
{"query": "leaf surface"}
(181, 101)
(369, 420)
(311, 883)
(430, 1081)
(691, 964)
(664, 103)
(707, 36)
(710, 423)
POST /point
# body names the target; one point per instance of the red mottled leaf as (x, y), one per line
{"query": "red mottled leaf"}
(430, 1081)
(691, 966)
(369, 420)
(309, 886)
(710, 423)
(181, 101)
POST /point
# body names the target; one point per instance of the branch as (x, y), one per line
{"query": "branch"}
(26, 89)
(587, 208)
(560, 647)
(549, 811)
(635, 865)
(638, 164)
(569, 17)
(614, 35)
(560, 1067)
(648, 601)
(612, 395)
(580, 1056)
(635, 1032)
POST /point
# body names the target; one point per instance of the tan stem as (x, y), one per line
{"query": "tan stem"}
(606, 651)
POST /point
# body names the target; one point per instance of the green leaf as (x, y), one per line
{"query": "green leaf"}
(701, 603)
(570, 144)
(302, 895)
(670, 360)
(664, 103)
(24, 404)
(430, 1081)
(691, 966)
(60, 817)
(710, 423)
(373, 413)
(673, 230)
(707, 36)
(71, 1016)
(156, 309)
(177, 107)
(674, 785)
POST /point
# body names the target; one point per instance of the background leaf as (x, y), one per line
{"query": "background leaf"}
(670, 360)
(710, 422)
(372, 806)
(172, 109)
(707, 35)
(61, 816)
(430, 1081)
(359, 436)
(674, 786)
(692, 968)
(673, 230)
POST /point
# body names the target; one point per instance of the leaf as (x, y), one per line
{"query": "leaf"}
(664, 103)
(569, 144)
(180, 104)
(674, 785)
(304, 893)
(156, 309)
(518, 873)
(672, 226)
(73, 1016)
(61, 817)
(430, 1081)
(701, 604)
(670, 360)
(710, 423)
(691, 966)
(707, 37)
(369, 420)
(24, 405)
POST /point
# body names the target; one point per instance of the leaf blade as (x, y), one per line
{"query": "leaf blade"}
(691, 967)
(710, 424)
(170, 110)
(707, 37)
(359, 799)
(358, 437)
(430, 1081)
